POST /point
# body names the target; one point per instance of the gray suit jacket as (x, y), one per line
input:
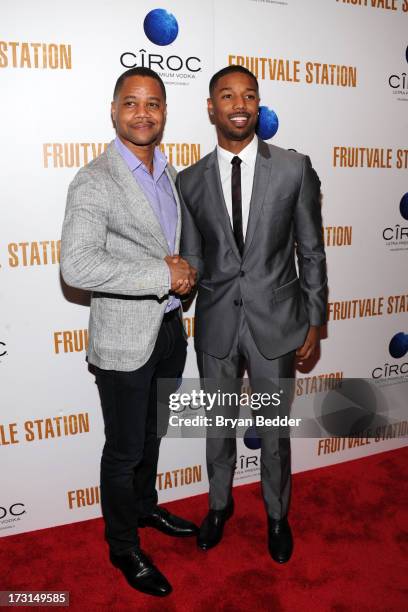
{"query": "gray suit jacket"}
(113, 245)
(284, 217)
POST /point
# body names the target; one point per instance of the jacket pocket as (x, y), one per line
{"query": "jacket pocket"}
(286, 291)
(205, 285)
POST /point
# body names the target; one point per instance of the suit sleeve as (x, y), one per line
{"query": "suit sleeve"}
(310, 246)
(85, 261)
(191, 240)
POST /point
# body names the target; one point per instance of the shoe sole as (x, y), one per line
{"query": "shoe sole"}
(280, 561)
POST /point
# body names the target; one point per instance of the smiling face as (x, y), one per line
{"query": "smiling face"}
(234, 107)
(139, 113)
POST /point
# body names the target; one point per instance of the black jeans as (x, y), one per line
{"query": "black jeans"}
(131, 451)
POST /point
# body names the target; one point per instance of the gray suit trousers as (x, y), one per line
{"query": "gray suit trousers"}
(275, 448)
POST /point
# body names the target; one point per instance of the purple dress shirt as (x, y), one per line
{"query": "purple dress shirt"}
(159, 193)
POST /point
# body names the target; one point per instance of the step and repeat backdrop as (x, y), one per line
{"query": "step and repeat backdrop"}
(334, 85)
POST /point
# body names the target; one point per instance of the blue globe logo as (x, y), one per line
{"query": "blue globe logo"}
(251, 439)
(404, 206)
(268, 123)
(160, 27)
(399, 345)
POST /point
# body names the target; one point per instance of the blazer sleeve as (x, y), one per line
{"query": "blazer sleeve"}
(191, 240)
(310, 245)
(85, 261)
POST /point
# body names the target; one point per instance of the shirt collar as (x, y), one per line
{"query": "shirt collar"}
(247, 155)
(133, 162)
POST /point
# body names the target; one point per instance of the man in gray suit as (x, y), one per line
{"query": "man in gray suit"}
(120, 241)
(247, 208)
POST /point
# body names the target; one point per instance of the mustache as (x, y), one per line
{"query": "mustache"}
(143, 122)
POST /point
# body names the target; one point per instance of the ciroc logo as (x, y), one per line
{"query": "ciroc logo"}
(398, 345)
(397, 348)
(14, 510)
(268, 123)
(404, 206)
(251, 439)
(161, 28)
(396, 238)
(399, 82)
(11, 514)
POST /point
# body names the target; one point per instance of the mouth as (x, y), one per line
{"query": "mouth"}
(240, 119)
(147, 125)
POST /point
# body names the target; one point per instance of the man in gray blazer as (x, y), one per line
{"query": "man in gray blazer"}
(247, 208)
(120, 241)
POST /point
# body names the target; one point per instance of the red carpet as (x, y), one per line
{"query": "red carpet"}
(350, 528)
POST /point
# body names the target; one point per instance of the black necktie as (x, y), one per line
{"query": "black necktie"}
(237, 202)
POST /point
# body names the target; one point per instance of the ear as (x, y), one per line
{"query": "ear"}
(210, 106)
(113, 110)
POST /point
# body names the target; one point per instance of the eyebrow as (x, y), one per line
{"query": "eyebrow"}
(228, 88)
(135, 97)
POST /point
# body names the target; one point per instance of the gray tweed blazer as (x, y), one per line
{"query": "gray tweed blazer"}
(113, 245)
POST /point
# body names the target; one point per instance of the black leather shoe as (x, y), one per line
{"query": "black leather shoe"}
(169, 524)
(212, 527)
(141, 574)
(280, 541)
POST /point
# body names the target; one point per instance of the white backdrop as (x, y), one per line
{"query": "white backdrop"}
(58, 66)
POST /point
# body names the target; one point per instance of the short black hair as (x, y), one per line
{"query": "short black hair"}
(139, 71)
(228, 70)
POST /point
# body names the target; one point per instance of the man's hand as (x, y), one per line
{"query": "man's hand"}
(312, 340)
(183, 276)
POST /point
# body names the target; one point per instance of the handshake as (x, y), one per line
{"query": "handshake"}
(183, 276)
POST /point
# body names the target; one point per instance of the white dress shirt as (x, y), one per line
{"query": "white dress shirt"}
(248, 156)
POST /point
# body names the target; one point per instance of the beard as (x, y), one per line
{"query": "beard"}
(238, 135)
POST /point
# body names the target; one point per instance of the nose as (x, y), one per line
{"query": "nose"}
(239, 102)
(141, 110)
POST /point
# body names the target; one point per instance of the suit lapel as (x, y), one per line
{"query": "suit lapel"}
(135, 200)
(212, 176)
(171, 173)
(262, 174)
